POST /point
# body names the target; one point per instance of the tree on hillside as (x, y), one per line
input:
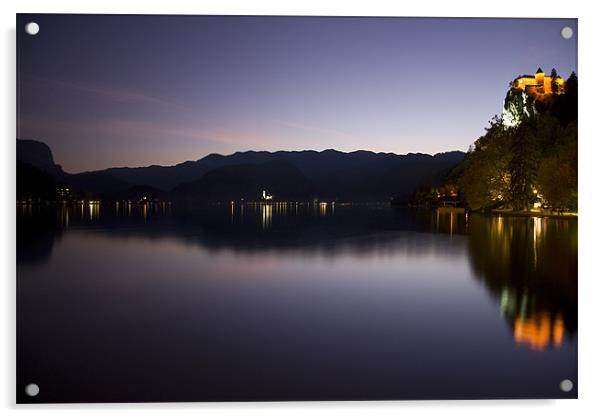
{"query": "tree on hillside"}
(485, 180)
(523, 166)
(557, 174)
(554, 76)
(564, 106)
(570, 86)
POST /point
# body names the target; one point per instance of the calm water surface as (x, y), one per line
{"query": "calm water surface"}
(122, 303)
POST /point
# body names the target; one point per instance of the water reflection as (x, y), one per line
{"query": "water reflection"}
(347, 301)
(530, 266)
(266, 215)
(94, 210)
(63, 214)
(451, 220)
(539, 331)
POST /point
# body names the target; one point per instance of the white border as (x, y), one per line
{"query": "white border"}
(590, 155)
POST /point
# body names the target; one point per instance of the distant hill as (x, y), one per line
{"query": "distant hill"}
(38, 155)
(359, 175)
(33, 183)
(161, 177)
(247, 181)
(313, 164)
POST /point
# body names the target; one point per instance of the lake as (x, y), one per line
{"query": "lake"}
(121, 303)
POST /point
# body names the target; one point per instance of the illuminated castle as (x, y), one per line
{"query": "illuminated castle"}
(525, 90)
(539, 84)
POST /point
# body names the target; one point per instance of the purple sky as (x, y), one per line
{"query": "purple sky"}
(106, 91)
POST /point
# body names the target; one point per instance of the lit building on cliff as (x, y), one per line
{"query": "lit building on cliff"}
(525, 90)
(539, 84)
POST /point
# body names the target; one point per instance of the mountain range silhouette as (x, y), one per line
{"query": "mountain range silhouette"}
(328, 174)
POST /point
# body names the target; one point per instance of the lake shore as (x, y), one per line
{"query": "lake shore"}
(534, 213)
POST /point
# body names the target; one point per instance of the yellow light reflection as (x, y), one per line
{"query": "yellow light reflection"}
(93, 209)
(323, 206)
(266, 216)
(539, 331)
(536, 235)
(500, 225)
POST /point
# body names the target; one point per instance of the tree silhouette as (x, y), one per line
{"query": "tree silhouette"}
(523, 167)
(554, 76)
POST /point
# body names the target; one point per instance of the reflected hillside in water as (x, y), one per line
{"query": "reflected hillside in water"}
(528, 265)
(300, 227)
(38, 227)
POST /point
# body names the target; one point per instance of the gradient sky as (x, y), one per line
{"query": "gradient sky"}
(105, 91)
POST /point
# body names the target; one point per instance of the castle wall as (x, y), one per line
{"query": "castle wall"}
(524, 82)
(547, 85)
(538, 84)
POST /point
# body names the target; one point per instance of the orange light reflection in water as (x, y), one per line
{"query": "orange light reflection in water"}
(539, 331)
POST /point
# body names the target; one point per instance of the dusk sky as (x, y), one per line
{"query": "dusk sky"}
(107, 91)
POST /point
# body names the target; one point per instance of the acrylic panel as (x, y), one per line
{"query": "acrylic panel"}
(254, 208)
